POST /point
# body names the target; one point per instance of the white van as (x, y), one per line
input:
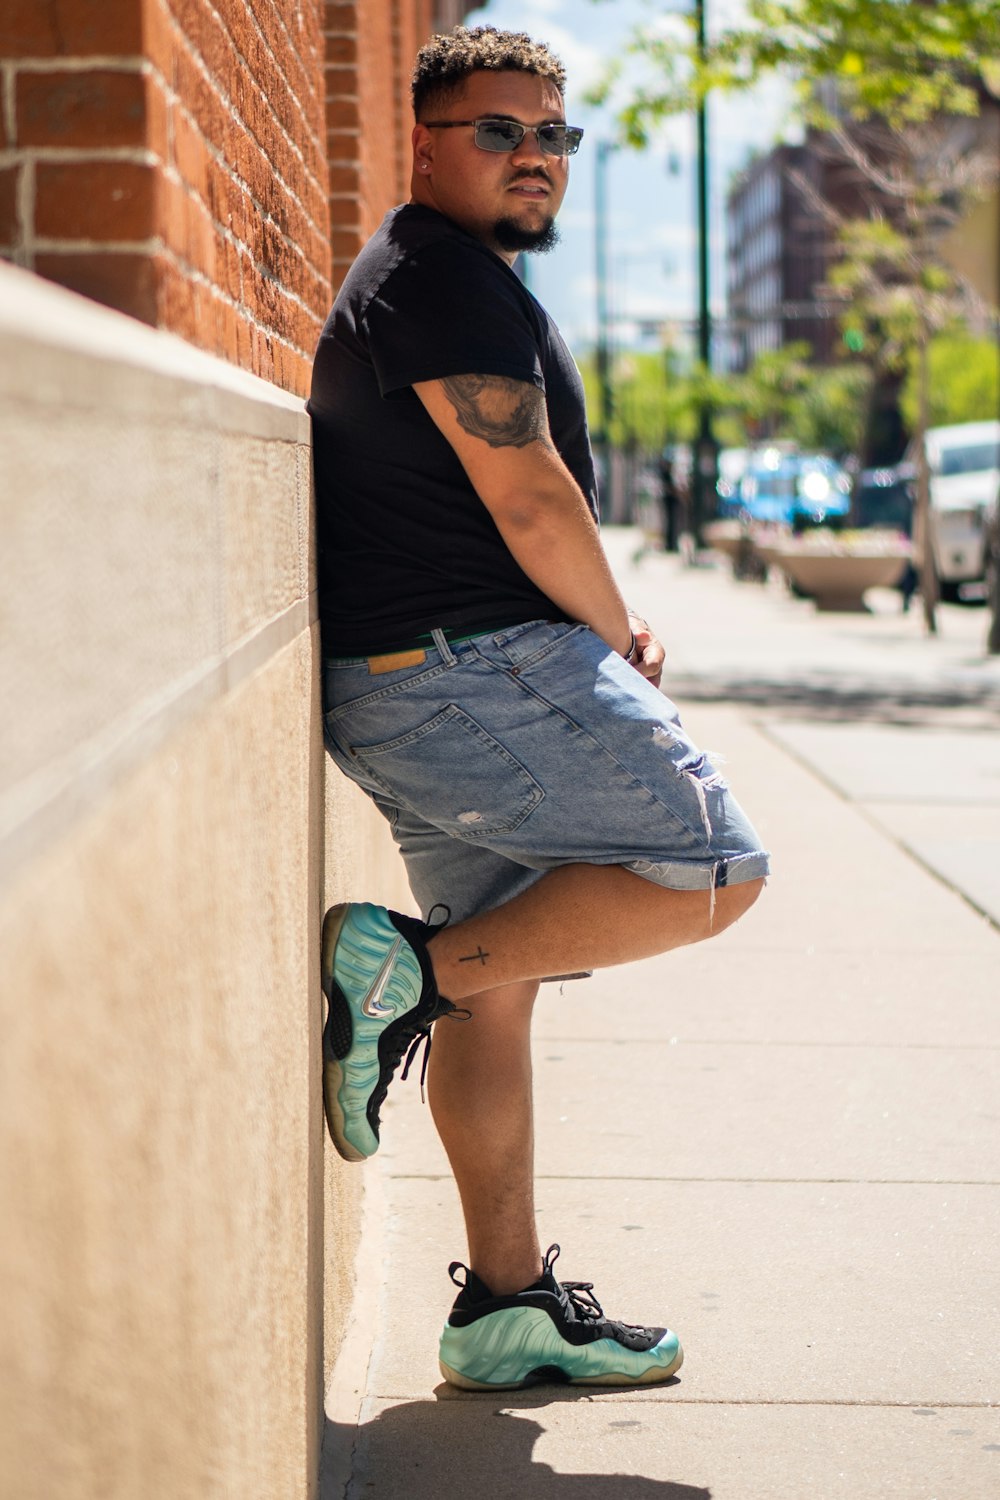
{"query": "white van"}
(964, 467)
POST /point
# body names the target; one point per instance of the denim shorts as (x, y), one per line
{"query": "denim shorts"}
(499, 758)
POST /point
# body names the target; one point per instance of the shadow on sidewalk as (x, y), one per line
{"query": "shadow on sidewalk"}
(842, 697)
(467, 1445)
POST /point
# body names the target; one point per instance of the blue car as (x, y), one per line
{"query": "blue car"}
(794, 489)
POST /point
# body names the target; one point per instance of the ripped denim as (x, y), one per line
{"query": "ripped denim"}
(500, 758)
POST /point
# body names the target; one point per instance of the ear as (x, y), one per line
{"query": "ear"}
(423, 148)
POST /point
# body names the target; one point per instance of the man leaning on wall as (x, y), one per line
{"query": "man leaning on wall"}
(489, 688)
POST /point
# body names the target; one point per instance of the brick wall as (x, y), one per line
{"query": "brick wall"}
(369, 168)
(180, 160)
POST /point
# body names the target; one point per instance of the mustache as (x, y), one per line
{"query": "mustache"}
(531, 174)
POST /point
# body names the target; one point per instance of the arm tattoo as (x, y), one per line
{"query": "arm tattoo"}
(505, 413)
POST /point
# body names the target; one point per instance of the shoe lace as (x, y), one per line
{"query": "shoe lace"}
(407, 1038)
(457, 1013)
(578, 1294)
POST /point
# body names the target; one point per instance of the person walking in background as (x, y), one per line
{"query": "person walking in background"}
(487, 686)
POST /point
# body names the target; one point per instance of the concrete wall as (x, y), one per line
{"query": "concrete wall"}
(162, 878)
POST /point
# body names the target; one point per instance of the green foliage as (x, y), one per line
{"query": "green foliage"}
(823, 410)
(897, 292)
(657, 402)
(781, 396)
(903, 59)
(829, 415)
(964, 382)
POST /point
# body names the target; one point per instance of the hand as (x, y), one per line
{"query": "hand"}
(650, 654)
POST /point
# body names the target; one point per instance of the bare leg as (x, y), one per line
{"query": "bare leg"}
(479, 1084)
(579, 917)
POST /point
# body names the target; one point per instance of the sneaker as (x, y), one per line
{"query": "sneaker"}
(380, 986)
(552, 1331)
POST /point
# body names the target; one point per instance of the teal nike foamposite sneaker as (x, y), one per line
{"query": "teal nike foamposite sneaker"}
(382, 996)
(552, 1331)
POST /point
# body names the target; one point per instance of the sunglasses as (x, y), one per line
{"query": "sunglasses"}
(507, 135)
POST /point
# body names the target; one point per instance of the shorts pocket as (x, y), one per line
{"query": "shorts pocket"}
(454, 774)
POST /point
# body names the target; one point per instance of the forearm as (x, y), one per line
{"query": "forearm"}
(553, 537)
(499, 429)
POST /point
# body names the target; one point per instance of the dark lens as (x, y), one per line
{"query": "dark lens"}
(560, 140)
(499, 135)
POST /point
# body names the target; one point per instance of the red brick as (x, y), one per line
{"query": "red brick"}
(343, 114)
(124, 281)
(244, 346)
(341, 49)
(345, 242)
(97, 108)
(9, 224)
(230, 259)
(95, 200)
(157, 119)
(341, 15)
(171, 215)
(70, 28)
(176, 301)
(200, 239)
(342, 147)
(158, 40)
(191, 157)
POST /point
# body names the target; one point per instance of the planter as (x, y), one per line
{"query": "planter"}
(739, 542)
(726, 537)
(837, 578)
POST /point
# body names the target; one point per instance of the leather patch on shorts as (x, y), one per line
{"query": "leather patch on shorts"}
(395, 662)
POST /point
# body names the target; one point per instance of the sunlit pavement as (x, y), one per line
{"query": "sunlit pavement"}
(784, 1142)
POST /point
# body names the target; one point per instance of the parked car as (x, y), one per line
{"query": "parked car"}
(964, 472)
(794, 488)
(884, 497)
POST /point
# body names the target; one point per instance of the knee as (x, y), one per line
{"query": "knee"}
(730, 904)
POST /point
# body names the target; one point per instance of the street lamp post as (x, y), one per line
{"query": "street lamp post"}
(605, 390)
(706, 459)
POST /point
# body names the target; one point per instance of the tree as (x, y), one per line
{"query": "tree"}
(899, 291)
(905, 60)
(964, 376)
(890, 80)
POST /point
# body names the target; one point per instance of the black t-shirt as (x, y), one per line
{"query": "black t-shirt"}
(405, 543)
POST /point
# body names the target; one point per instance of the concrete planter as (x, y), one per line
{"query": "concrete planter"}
(837, 578)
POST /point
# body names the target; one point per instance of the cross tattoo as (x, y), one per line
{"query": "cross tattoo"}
(470, 958)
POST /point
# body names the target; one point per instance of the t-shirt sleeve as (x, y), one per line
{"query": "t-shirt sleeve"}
(448, 311)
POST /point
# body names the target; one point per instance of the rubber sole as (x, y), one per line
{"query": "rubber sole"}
(333, 1076)
(654, 1376)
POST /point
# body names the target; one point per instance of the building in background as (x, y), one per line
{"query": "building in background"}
(776, 258)
(782, 215)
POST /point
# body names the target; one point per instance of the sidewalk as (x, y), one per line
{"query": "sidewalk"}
(784, 1142)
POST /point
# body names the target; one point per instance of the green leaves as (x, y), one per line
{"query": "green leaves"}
(903, 59)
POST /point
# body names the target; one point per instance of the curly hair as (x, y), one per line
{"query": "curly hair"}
(446, 61)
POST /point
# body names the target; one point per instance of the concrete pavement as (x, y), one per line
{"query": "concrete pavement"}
(784, 1142)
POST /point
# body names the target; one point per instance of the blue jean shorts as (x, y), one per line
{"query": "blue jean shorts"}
(499, 758)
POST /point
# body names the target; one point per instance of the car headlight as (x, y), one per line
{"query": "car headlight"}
(815, 486)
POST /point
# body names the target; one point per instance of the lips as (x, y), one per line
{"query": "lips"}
(532, 187)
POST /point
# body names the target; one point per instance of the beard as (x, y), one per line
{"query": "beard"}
(510, 235)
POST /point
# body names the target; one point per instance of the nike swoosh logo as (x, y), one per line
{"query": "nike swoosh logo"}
(371, 1005)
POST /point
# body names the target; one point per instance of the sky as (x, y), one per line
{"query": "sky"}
(651, 194)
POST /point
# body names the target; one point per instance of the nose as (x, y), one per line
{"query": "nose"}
(529, 149)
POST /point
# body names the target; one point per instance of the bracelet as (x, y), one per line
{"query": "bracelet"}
(630, 654)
